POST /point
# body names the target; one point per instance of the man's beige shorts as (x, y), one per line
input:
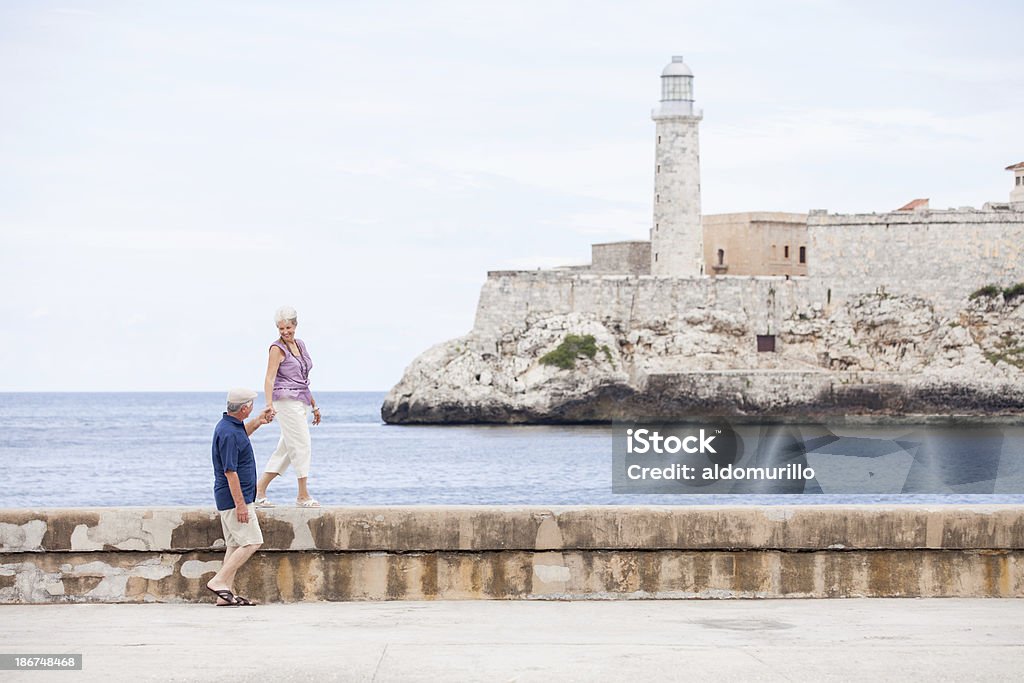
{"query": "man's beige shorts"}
(237, 534)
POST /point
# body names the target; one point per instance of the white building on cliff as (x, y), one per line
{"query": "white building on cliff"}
(894, 244)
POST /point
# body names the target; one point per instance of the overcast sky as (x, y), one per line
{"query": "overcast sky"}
(172, 172)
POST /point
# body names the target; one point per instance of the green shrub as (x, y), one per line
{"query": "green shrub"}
(1014, 357)
(1010, 293)
(573, 346)
(1013, 291)
(986, 291)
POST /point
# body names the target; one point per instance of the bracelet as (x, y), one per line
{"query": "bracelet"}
(315, 409)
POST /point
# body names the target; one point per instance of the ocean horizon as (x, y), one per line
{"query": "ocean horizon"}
(110, 449)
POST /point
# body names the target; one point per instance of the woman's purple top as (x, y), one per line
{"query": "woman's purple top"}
(292, 379)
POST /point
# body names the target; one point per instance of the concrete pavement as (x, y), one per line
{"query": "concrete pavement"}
(770, 640)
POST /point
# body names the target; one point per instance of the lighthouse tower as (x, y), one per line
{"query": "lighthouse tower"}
(677, 248)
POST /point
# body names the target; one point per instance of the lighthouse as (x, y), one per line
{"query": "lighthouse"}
(677, 248)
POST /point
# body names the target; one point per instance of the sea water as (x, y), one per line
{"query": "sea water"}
(153, 449)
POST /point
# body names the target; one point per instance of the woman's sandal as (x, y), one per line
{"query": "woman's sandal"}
(263, 503)
(308, 503)
(227, 595)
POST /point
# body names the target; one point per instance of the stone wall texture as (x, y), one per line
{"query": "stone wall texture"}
(633, 258)
(509, 299)
(937, 255)
(607, 552)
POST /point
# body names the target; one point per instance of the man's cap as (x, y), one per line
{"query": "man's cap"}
(238, 395)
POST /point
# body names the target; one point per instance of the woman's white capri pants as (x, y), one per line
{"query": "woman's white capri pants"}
(293, 448)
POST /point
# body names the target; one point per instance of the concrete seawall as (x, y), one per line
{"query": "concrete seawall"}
(612, 552)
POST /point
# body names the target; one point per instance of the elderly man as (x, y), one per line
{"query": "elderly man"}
(234, 489)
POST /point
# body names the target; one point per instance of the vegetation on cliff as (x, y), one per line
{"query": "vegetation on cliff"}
(573, 346)
(1009, 293)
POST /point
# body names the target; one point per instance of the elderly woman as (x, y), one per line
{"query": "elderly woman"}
(287, 390)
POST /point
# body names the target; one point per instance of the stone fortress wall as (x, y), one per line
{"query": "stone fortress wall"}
(633, 257)
(930, 253)
(942, 256)
(939, 256)
(510, 299)
(936, 255)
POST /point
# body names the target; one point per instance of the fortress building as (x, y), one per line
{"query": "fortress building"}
(755, 243)
(1017, 194)
(686, 244)
(913, 310)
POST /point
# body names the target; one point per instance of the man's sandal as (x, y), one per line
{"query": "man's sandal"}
(227, 595)
(263, 503)
(244, 602)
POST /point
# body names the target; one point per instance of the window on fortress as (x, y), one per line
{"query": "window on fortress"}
(765, 343)
(721, 257)
(785, 251)
(803, 254)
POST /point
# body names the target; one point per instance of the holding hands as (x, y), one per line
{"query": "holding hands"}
(266, 415)
(316, 415)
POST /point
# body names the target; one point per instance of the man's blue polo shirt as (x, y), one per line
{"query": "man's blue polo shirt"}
(232, 452)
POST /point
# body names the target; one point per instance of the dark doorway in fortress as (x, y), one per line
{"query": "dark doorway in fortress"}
(765, 342)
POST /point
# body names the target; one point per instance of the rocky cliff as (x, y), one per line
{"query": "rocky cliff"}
(874, 353)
